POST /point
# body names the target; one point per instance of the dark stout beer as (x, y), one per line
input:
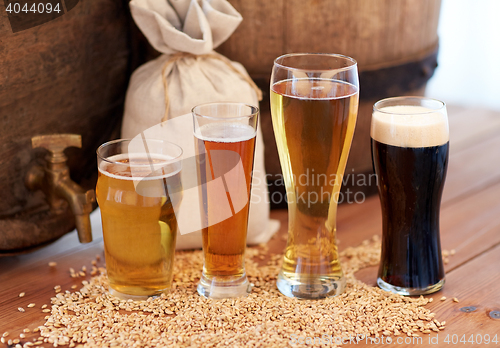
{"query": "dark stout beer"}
(410, 157)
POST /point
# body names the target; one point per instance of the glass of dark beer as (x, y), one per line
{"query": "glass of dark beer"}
(410, 146)
(225, 144)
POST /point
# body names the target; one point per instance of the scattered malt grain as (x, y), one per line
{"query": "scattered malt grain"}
(91, 317)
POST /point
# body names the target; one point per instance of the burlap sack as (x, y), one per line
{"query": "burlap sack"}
(189, 73)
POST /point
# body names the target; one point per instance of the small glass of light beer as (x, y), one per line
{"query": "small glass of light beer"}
(138, 189)
(225, 145)
(410, 140)
(314, 106)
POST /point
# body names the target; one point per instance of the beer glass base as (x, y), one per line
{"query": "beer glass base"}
(123, 296)
(218, 289)
(410, 291)
(311, 289)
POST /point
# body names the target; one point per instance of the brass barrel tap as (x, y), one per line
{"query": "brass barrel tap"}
(54, 180)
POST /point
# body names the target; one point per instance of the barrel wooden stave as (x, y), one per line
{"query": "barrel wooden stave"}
(68, 75)
(374, 33)
(390, 39)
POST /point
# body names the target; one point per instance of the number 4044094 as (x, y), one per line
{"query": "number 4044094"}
(472, 339)
(34, 8)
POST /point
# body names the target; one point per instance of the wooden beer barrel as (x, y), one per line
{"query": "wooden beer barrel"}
(67, 75)
(395, 43)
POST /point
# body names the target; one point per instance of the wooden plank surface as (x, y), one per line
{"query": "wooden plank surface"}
(37, 281)
(474, 151)
(471, 169)
(471, 125)
(470, 224)
(475, 284)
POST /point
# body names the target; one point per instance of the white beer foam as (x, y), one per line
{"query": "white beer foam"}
(224, 132)
(305, 88)
(140, 171)
(410, 126)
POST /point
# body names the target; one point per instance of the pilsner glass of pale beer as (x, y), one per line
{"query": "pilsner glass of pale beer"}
(225, 145)
(314, 105)
(138, 189)
(410, 146)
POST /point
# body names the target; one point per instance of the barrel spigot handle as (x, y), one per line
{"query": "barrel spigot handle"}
(54, 180)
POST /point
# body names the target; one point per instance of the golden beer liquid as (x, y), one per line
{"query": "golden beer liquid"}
(313, 122)
(224, 242)
(139, 232)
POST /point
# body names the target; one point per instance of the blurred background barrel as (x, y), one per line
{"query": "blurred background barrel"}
(67, 75)
(70, 75)
(395, 43)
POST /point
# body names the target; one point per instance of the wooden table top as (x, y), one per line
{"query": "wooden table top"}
(470, 224)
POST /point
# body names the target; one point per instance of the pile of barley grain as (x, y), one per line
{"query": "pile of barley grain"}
(265, 318)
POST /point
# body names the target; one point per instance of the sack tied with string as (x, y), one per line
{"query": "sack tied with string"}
(189, 72)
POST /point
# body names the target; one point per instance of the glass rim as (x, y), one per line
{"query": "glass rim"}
(441, 104)
(336, 55)
(117, 141)
(253, 108)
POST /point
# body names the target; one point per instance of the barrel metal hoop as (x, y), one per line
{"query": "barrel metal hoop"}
(397, 80)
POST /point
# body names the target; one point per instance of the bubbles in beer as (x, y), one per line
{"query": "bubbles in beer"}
(225, 132)
(139, 166)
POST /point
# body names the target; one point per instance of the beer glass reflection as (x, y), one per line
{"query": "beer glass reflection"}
(314, 103)
(410, 146)
(138, 188)
(225, 143)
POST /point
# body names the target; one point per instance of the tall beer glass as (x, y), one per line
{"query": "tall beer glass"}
(138, 188)
(225, 143)
(410, 157)
(314, 105)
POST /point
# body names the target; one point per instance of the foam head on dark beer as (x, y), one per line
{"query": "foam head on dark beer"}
(410, 126)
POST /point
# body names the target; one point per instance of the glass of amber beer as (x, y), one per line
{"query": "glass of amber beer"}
(410, 140)
(225, 143)
(138, 188)
(314, 105)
